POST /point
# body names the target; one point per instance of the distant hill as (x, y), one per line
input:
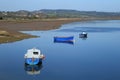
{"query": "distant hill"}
(75, 13)
(60, 13)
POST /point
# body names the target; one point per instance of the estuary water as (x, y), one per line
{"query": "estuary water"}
(96, 57)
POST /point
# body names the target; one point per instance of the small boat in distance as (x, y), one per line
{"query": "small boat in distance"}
(33, 57)
(63, 39)
(83, 35)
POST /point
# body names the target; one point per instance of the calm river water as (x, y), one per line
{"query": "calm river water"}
(94, 58)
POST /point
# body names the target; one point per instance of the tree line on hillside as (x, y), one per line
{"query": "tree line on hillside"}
(48, 13)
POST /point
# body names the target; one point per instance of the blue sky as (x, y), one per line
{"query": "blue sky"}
(81, 5)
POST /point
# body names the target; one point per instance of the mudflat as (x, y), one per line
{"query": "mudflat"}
(9, 30)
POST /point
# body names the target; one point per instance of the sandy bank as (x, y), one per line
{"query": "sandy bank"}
(12, 28)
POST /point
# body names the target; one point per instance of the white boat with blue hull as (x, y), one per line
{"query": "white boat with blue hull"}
(33, 57)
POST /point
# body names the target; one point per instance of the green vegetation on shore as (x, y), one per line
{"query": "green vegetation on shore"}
(52, 14)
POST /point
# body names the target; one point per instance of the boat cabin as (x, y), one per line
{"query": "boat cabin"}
(33, 53)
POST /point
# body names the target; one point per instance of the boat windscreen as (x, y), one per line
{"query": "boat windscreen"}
(36, 53)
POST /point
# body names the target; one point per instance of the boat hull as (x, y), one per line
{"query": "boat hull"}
(33, 61)
(64, 39)
(83, 35)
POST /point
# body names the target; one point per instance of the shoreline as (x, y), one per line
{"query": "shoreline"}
(10, 30)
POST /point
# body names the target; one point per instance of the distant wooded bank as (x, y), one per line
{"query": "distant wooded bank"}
(48, 14)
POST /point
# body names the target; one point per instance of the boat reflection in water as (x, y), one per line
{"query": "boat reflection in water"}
(33, 69)
(84, 38)
(68, 40)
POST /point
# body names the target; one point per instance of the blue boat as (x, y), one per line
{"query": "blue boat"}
(64, 39)
(33, 57)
